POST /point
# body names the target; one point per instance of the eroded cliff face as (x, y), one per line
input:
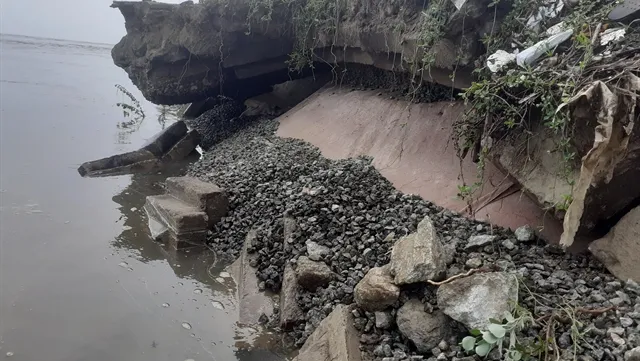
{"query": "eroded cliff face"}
(183, 53)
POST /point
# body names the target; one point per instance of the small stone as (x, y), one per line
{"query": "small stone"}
(443, 345)
(479, 241)
(442, 357)
(525, 234)
(384, 320)
(474, 262)
(565, 341)
(423, 329)
(616, 331)
(316, 251)
(632, 287)
(632, 355)
(508, 244)
(312, 274)
(617, 339)
(626, 321)
(479, 228)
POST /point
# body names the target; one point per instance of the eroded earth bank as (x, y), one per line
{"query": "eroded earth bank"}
(351, 195)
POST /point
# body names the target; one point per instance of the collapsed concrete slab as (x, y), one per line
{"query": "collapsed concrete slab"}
(290, 312)
(620, 248)
(174, 143)
(175, 222)
(207, 197)
(252, 303)
(335, 339)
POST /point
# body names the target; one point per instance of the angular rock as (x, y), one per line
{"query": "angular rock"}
(525, 234)
(376, 290)
(316, 251)
(312, 274)
(207, 197)
(479, 241)
(473, 300)
(424, 329)
(419, 256)
(335, 339)
(252, 303)
(384, 320)
(632, 355)
(290, 312)
(619, 249)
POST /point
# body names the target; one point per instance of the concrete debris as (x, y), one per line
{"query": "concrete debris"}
(206, 196)
(474, 300)
(334, 339)
(619, 249)
(174, 143)
(290, 312)
(252, 302)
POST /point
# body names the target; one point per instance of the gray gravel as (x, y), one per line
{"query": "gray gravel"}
(349, 208)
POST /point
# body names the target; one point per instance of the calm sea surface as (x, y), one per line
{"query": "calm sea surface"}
(79, 277)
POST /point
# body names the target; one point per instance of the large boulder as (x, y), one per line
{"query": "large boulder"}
(312, 274)
(290, 312)
(620, 247)
(474, 300)
(182, 53)
(424, 329)
(334, 339)
(376, 290)
(419, 256)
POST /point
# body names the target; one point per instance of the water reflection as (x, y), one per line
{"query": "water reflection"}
(199, 264)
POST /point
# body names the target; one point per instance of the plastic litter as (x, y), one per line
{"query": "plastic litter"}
(531, 54)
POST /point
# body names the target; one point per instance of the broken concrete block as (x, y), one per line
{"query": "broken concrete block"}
(162, 142)
(177, 215)
(161, 232)
(619, 249)
(335, 339)
(290, 312)
(252, 303)
(132, 162)
(183, 147)
(207, 197)
(173, 143)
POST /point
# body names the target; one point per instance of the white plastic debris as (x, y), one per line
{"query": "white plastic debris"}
(612, 35)
(549, 10)
(556, 29)
(531, 54)
(497, 60)
(458, 3)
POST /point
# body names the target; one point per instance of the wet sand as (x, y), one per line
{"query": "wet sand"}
(80, 278)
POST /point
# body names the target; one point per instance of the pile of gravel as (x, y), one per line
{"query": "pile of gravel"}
(220, 122)
(347, 206)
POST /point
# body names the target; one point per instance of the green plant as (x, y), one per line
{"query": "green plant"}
(132, 108)
(503, 335)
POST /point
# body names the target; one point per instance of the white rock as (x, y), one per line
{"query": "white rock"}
(479, 241)
(473, 300)
(525, 234)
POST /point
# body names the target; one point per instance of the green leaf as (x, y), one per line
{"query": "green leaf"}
(475, 332)
(497, 330)
(483, 349)
(489, 337)
(468, 343)
(508, 316)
